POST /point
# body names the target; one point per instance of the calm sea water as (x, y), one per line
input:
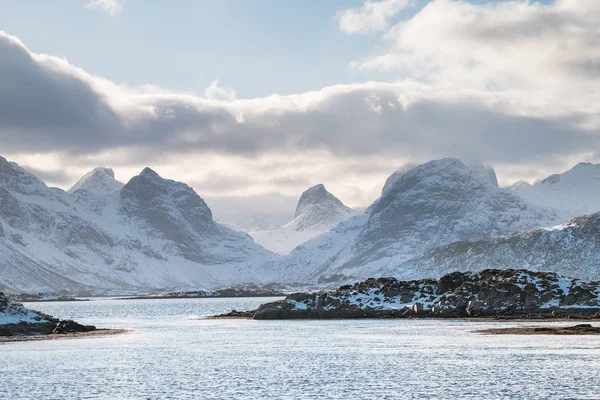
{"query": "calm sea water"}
(173, 355)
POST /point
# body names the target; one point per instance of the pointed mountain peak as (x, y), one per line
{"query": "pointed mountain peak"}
(100, 180)
(167, 205)
(17, 178)
(149, 172)
(315, 195)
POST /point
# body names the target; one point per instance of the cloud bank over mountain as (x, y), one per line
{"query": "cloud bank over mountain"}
(514, 84)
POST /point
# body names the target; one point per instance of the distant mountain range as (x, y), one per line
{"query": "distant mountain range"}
(103, 236)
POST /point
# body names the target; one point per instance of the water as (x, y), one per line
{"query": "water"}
(172, 355)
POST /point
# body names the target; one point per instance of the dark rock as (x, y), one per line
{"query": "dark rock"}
(489, 293)
(70, 326)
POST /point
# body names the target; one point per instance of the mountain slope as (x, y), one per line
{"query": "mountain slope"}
(571, 249)
(153, 233)
(317, 212)
(431, 205)
(573, 193)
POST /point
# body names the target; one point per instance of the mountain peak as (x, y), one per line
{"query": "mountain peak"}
(158, 199)
(573, 192)
(103, 170)
(314, 195)
(318, 211)
(100, 180)
(14, 177)
(445, 172)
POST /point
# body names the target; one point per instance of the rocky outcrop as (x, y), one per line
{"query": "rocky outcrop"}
(16, 320)
(489, 293)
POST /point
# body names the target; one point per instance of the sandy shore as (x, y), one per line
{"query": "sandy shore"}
(97, 332)
(582, 329)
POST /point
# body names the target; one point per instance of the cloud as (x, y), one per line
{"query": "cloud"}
(349, 137)
(216, 92)
(373, 16)
(55, 106)
(113, 7)
(61, 177)
(547, 56)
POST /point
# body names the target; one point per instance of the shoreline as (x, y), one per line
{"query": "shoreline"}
(516, 318)
(74, 335)
(581, 329)
(198, 297)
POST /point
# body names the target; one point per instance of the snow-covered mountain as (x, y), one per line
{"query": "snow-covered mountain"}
(317, 212)
(573, 193)
(571, 249)
(98, 181)
(157, 233)
(434, 204)
(153, 233)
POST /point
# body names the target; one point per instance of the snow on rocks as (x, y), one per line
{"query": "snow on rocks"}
(489, 293)
(15, 313)
(16, 320)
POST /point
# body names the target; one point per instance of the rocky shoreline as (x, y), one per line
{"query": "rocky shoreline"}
(497, 294)
(271, 290)
(581, 329)
(17, 321)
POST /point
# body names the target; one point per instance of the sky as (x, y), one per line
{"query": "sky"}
(252, 102)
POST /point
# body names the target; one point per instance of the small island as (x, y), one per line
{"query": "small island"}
(581, 329)
(512, 294)
(18, 323)
(250, 290)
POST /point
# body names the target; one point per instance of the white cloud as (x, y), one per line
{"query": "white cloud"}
(216, 92)
(113, 7)
(373, 16)
(544, 57)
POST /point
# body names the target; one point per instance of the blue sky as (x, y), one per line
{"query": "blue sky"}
(366, 87)
(257, 47)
